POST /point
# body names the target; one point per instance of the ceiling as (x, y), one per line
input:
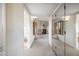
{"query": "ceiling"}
(41, 10)
(71, 8)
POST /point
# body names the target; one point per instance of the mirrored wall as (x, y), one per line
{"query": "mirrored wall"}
(65, 30)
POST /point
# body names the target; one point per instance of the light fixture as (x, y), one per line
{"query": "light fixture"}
(34, 17)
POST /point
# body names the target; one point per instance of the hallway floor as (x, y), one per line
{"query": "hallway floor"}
(39, 48)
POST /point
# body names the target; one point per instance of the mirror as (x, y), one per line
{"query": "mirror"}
(58, 27)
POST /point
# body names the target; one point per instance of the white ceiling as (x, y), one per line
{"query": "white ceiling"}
(71, 8)
(42, 10)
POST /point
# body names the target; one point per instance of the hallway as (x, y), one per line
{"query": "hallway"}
(39, 29)
(39, 48)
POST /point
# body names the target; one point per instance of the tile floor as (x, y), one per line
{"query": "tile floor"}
(39, 48)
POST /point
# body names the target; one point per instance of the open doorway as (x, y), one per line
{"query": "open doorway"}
(40, 28)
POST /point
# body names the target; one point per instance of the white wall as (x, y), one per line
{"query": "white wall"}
(77, 22)
(50, 30)
(14, 29)
(28, 29)
(4, 27)
(77, 30)
(70, 25)
(70, 29)
(1, 31)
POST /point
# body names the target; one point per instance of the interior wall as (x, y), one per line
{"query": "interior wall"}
(50, 30)
(70, 29)
(71, 10)
(77, 22)
(1, 31)
(28, 28)
(14, 29)
(38, 27)
(70, 24)
(4, 27)
(77, 30)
